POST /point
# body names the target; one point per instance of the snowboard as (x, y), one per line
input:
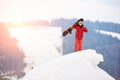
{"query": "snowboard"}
(69, 30)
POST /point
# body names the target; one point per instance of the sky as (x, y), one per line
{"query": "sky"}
(21, 10)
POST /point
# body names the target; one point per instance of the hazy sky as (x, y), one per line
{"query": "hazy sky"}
(18, 10)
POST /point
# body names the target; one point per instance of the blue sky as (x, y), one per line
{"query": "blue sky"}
(20, 10)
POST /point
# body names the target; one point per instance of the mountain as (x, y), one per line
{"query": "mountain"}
(106, 45)
(43, 48)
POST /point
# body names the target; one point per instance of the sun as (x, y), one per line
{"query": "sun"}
(16, 22)
(16, 18)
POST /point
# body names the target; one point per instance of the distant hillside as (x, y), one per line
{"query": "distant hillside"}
(11, 57)
(107, 26)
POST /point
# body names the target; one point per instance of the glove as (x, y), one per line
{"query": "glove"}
(70, 30)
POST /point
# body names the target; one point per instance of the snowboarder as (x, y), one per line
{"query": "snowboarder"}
(80, 29)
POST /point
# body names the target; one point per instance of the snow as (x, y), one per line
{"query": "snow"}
(43, 49)
(40, 44)
(117, 35)
(81, 65)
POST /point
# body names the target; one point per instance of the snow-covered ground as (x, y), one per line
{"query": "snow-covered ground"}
(40, 44)
(117, 35)
(75, 66)
(43, 46)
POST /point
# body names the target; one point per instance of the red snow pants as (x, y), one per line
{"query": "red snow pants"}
(77, 45)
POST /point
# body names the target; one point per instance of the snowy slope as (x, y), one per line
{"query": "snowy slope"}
(75, 66)
(117, 35)
(43, 46)
(39, 43)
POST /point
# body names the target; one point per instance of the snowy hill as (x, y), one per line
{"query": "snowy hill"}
(39, 43)
(43, 46)
(75, 66)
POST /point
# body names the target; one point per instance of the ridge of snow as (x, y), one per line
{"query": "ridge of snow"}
(81, 65)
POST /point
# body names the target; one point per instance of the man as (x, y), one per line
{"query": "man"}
(80, 29)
